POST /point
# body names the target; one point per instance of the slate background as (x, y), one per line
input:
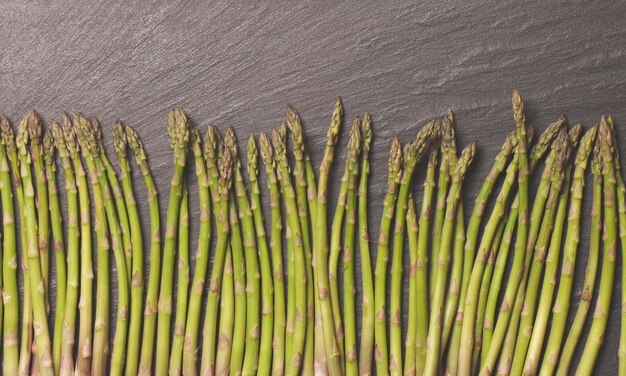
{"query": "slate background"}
(238, 64)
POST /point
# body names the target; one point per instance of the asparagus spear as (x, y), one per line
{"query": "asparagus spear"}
(253, 281)
(293, 228)
(549, 283)
(136, 267)
(382, 256)
(149, 318)
(182, 292)
(227, 317)
(320, 246)
(366, 346)
(305, 213)
(349, 289)
(573, 337)
(434, 326)
(118, 195)
(278, 341)
(412, 154)
(412, 236)
(58, 246)
(178, 129)
(207, 175)
(421, 265)
(101, 324)
(117, 245)
(10, 294)
(267, 312)
(30, 129)
(605, 290)
(522, 235)
(239, 271)
(440, 207)
(204, 239)
(73, 267)
(524, 309)
(222, 203)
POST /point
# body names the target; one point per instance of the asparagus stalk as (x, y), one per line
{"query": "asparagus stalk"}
(30, 130)
(267, 298)
(207, 175)
(101, 324)
(522, 236)
(524, 309)
(239, 271)
(58, 246)
(440, 207)
(320, 247)
(43, 215)
(204, 239)
(136, 267)
(412, 154)
(535, 346)
(366, 346)
(293, 227)
(278, 341)
(222, 219)
(149, 318)
(605, 290)
(349, 288)
(178, 129)
(227, 317)
(182, 292)
(573, 337)
(302, 161)
(118, 195)
(382, 256)
(253, 281)
(433, 344)
(73, 267)
(412, 236)
(10, 294)
(421, 265)
(117, 244)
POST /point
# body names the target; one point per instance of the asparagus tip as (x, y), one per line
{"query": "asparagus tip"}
(119, 138)
(366, 134)
(5, 131)
(178, 130)
(252, 153)
(134, 143)
(266, 149)
(518, 106)
(34, 126)
(574, 134)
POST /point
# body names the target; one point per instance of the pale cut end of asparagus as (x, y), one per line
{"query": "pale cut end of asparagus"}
(119, 138)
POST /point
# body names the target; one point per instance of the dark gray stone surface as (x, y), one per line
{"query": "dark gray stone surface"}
(239, 64)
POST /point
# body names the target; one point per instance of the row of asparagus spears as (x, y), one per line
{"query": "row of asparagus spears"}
(472, 306)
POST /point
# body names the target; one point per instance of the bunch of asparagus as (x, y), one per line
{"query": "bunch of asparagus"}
(471, 307)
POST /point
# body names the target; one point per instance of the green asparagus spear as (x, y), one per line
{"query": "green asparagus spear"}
(320, 246)
(227, 317)
(412, 236)
(366, 347)
(267, 298)
(239, 271)
(136, 267)
(440, 207)
(382, 256)
(10, 292)
(221, 200)
(152, 291)
(278, 341)
(178, 129)
(58, 246)
(30, 130)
